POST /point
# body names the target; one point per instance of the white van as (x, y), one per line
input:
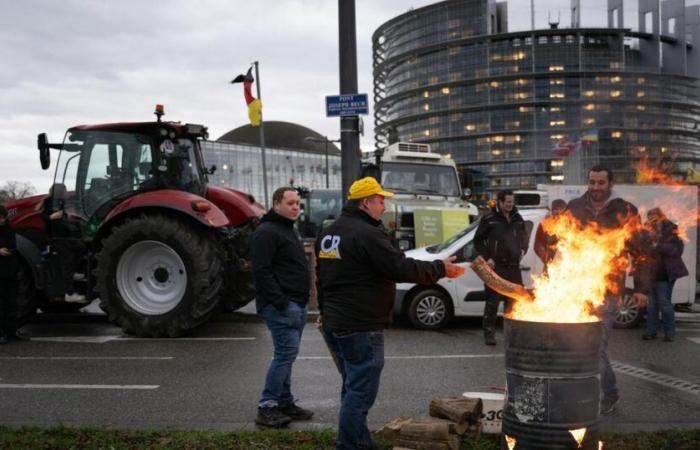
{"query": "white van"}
(432, 307)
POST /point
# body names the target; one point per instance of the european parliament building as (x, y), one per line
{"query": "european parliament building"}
(516, 109)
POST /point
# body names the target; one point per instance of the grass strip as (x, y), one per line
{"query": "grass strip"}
(64, 438)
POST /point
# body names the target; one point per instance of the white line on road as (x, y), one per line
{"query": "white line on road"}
(81, 386)
(694, 339)
(417, 357)
(658, 378)
(104, 339)
(87, 358)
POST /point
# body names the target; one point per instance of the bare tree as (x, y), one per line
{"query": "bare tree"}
(12, 190)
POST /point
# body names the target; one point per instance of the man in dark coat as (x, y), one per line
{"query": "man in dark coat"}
(667, 266)
(501, 239)
(357, 271)
(601, 206)
(282, 283)
(8, 281)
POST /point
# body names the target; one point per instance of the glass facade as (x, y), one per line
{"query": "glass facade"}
(518, 109)
(240, 166)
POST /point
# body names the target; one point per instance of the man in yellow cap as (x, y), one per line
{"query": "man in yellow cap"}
(357, 271)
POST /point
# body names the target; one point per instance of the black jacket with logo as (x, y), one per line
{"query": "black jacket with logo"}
(8, 240)
(357, 271)
(501, 239)
(280, 269)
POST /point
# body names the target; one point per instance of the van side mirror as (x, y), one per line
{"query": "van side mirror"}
(42, 143)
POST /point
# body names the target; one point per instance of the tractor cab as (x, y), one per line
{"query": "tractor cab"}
(100, 166)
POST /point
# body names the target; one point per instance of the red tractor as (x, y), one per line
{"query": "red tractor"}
(139, 228)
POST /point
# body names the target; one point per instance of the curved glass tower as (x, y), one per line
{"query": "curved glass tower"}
(522, 108)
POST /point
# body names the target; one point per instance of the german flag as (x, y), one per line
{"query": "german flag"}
(254, 104)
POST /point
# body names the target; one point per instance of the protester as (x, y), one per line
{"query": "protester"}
(501, 239)
(357, 269)
(545, 243)
(600, 205)
(282, 283)
(667, 267)
(8, 281)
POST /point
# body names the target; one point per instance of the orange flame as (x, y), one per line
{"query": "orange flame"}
(654, 174)
(510, 441)
(578, 435)
(600, 445)
(589, 262)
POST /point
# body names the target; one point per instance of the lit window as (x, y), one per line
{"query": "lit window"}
(616, 134)
(555, 109)
(615, 93)
(556, 68)
(557, 81)
(664, 149)
(426, 107)
(615, 79)
(520, 95)
(640, 94)
(557, 163)
(616, 65)
(496, 57)
(589, 121)
(524, 109)
(557, 177)
(588, 93)
(557, 123)
(589, 106)
(470, 127)
(496, 152)
(497, 138)
(494, 84)
(556, 137)
(426, 94)
(521, 81)
(426, 132)
(641, 108)
(641, 80)
(445, 90)
(557, 95)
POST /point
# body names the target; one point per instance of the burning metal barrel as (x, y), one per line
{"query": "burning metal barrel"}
(553, 385)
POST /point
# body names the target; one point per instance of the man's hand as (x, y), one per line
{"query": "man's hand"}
(491, 263)
(640, 299)
(452, 270)
(56, 215)
(5, 252)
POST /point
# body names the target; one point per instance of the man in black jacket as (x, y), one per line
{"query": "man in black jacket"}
(357, 269)
(501, 239)
(8, 280)
(599, 205)
(282, 284)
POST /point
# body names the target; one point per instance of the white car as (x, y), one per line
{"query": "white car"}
(432, 307)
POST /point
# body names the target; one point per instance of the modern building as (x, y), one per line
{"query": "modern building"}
(294, 155)
(515, 109)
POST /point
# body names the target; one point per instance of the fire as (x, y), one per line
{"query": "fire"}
(578, 435)
(600, 445)
(650, 174)
(589, 261)
(510, 441)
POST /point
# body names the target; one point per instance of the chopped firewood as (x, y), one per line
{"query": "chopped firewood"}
(461, 410)
(453, 443)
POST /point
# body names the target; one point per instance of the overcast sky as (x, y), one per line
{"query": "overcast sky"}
(73, 62)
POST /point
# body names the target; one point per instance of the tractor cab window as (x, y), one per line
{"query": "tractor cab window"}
(431, 179)
(178, 167)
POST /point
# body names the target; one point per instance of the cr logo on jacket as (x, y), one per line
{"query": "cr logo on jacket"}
(330, 247)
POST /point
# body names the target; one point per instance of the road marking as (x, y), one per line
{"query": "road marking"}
(87, 358)
(81, 386)
(694, 339)
(417, 357)
(104, 339)
(658, 378)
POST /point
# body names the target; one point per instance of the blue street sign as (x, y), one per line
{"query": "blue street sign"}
(346, 105)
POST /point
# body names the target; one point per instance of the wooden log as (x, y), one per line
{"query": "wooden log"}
(428, 429)
(453, 443)
(498, 284)
(391, 429)
(462, 410)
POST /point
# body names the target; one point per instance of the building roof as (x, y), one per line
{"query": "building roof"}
(284, 135)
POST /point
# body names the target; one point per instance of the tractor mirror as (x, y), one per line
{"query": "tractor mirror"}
(212, 169)
(42, 143)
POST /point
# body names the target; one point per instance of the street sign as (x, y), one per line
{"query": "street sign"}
(346, 105)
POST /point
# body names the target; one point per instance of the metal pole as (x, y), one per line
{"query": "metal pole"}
(328, 183)
(262, 137)
(349, 126)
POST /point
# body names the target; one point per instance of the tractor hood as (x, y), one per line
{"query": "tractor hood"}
(237, 205)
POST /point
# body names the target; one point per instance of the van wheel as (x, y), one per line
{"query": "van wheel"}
(629, 313)
(430, 309)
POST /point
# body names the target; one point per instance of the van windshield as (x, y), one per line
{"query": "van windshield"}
(440, 247)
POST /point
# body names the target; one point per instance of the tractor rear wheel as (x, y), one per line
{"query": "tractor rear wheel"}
(158, 276)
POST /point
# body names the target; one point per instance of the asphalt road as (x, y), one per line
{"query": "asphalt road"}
(80, 370)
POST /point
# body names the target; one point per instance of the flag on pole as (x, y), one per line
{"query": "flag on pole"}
(566, 145)
(590, 137)
(254, 104)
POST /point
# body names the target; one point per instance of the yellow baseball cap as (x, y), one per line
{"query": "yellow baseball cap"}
(364, 187)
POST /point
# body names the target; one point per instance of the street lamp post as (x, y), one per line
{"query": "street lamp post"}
(325, 141)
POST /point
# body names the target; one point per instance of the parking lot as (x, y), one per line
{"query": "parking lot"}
(81, 370)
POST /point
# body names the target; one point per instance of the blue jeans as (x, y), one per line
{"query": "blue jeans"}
(660, 301)
(286, 328)
(360, 362)
(608, 382)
